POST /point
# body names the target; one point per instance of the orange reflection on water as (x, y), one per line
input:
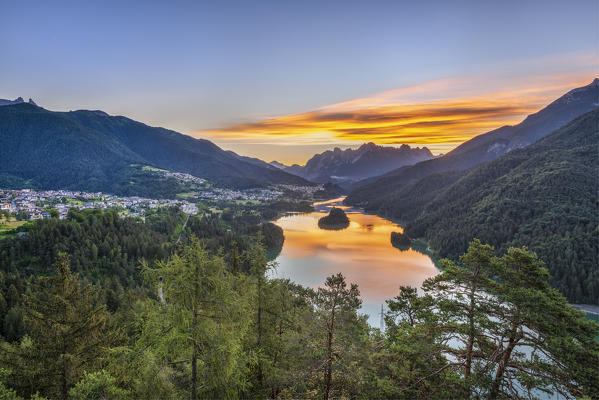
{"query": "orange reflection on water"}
(362, 252)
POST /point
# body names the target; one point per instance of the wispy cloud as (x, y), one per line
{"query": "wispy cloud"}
(439, 114)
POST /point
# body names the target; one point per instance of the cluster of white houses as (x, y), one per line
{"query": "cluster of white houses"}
(36, 204)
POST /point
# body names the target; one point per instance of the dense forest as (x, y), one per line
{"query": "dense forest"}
(544, 196)
(102, 307)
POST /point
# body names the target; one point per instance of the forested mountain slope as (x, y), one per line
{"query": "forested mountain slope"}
(544, 196)
(171, 150)
(90, 150)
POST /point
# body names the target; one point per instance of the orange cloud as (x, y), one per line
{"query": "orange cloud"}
(439, 114)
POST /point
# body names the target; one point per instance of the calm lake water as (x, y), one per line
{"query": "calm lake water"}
(362, 253)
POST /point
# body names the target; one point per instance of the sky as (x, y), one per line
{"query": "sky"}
(285, 79)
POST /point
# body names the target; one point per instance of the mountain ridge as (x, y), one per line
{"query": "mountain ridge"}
(370, 193)
(91, 149)
(349, 165)
(544, 196)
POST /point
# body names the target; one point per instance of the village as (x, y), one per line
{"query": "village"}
(32, 204)
(38, 204)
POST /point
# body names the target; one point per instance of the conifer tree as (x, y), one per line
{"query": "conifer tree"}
(413, 362)
(463, 305)
(338, 305)
(68, 333)
(509, 332)
(206, 319)
(541, 343)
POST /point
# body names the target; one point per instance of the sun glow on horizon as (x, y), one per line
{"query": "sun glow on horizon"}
(439, 114)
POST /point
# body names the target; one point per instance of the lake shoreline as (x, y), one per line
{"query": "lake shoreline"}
(362, 252)
(587, 308)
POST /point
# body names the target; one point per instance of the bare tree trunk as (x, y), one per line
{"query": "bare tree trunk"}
(63, 378)
(514, 338)
(470, 343)
(328, 373)
(194, 372)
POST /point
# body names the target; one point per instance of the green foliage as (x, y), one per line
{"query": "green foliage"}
(400, 240)
(337, 306)
(99, 242)
(544, 196)
(273, 239)
(519, 336)
(486, 325)
(68, 332)
(98, 386)
(204, 305)
(336, 220)
(13, 327)
(7, 393)
(411, 363)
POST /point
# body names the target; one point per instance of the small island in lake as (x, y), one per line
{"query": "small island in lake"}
(336, 220)
(400, 240)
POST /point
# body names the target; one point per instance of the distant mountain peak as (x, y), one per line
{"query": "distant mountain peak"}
(575, 95)
(4, 102)
(482, 148)
(18, 100)
(369, 145)
(370, 159)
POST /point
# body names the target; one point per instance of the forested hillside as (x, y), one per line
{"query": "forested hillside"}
(544, 196)
(93, 151)
(99, 307)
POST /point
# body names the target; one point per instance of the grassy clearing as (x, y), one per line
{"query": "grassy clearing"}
(148, 168)
(186, 195)
(7, 225)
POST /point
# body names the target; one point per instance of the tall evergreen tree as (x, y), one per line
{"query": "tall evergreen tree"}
(68, 333)
(413, 361)
(337, 306)
(206, 320)
(511, 334)
(463, 306)
(541, 343)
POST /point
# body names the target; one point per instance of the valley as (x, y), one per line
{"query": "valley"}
(174, 255)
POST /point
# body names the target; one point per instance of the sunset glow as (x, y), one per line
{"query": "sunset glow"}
(365, 242)
(438, 114)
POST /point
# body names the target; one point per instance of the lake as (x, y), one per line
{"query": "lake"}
(362, 253)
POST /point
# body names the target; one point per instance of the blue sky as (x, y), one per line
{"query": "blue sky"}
(193, 66)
